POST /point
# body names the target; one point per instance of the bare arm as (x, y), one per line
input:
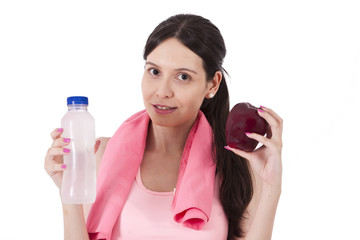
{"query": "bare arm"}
(74, 222)
(266, 165)
(99, 151)
(263, 222)
(262, 218)
(75, 215)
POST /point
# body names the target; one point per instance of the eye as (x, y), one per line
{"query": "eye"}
(154, 71)
(183, 77)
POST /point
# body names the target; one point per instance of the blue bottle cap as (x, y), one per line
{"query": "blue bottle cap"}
(77, 100)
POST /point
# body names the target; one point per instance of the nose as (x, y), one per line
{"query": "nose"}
(164, 89)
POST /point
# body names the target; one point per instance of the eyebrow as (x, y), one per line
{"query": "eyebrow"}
(178, 69)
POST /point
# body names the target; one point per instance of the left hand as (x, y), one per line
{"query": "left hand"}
(266, 160)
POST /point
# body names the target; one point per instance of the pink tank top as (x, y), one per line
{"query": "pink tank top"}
(147, 215)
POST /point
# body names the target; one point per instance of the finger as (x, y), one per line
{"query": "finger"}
(269, 133)
(56, 133)
(53, 152)
(97, 145)
(268, 117)
(272, 113)
(276, 127)
(260, 138)
(51, 169)
(246, 155)
(60, 141)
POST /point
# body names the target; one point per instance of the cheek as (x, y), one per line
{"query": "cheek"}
(142, 86)
(145, 87)
(192, 98)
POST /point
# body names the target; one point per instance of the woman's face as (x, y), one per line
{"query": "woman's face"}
(174, 84)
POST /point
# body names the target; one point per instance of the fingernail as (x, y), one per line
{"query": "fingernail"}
(226, 147)
(262, 106)
(66, 150)
(66, 140)
(59, 129)
(63, 166)
(260, 110)
(247, 133)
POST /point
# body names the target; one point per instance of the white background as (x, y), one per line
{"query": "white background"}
(300, 58)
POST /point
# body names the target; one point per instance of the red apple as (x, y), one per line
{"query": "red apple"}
(242, 118)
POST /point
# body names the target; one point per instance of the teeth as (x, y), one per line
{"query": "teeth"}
(164, 108)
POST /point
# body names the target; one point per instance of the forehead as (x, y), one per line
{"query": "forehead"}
(171, 53)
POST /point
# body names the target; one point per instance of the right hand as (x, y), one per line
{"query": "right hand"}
(54, 161)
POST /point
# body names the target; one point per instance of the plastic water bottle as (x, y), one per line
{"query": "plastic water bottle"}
(79, 177)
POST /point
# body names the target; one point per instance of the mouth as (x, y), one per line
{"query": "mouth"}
(163, 107)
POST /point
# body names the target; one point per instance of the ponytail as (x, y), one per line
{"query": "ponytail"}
(236, 184)
(204, 39)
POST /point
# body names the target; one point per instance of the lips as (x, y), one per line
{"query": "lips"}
(163, 109)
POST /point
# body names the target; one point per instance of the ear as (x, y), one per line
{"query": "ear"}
(214, 84)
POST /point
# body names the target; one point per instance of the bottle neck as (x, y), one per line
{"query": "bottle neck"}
(77, 107)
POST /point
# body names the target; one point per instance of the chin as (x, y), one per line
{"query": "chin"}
(163, 121)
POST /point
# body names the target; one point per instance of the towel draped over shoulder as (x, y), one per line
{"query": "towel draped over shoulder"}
(121, 160)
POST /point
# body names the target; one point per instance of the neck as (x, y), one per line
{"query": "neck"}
(168, 140)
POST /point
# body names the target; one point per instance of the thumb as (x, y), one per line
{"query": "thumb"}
(240, 153)
(97, 145)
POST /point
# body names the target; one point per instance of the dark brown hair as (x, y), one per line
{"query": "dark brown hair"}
(205, 39)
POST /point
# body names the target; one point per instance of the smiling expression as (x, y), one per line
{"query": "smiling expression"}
(174, 84)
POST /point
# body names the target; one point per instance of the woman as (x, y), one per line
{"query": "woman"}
(185, 93)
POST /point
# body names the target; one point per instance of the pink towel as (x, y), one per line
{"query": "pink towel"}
(121, 160)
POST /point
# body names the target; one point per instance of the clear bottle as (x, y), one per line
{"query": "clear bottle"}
(79, 177)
